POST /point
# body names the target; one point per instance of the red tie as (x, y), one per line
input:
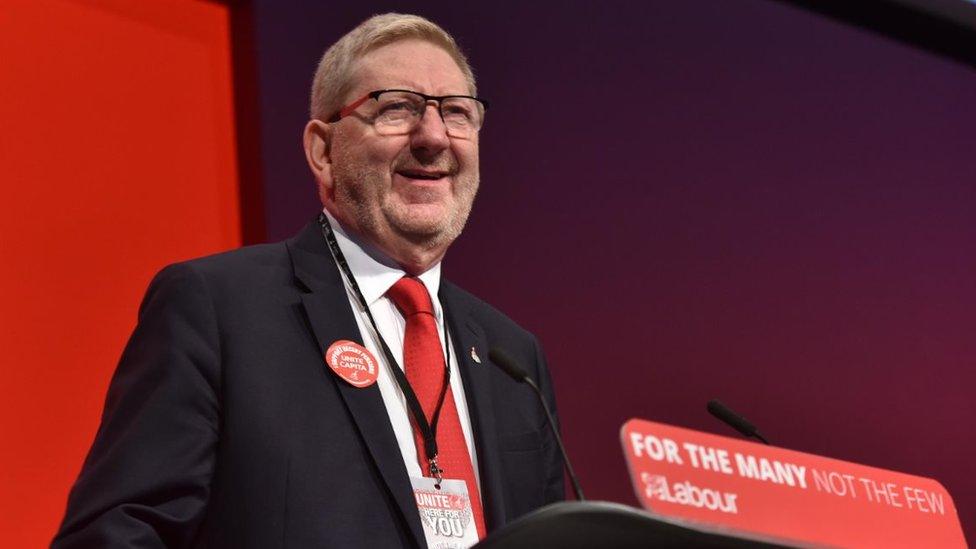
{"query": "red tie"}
(423, 363)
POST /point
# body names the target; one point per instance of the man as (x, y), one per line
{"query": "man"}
(231, 423)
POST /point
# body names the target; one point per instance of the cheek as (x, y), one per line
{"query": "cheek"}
(372, 153)
(466, 153)
(383, 152)
(381, 158)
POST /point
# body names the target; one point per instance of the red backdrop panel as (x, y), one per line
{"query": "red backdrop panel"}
(118, 157)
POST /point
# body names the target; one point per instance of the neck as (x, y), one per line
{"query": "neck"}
(414, 256)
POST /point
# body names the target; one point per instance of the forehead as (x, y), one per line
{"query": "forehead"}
(409, 64)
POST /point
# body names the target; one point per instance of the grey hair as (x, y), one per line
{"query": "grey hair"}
(333, 77)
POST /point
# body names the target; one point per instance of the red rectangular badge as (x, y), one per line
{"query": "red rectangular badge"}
(781, 495)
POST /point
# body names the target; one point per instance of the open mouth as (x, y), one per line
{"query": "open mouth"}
(422, 174)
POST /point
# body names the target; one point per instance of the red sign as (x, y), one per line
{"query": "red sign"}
(784, 496)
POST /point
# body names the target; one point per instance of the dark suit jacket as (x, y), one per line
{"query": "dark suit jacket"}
(224, 428)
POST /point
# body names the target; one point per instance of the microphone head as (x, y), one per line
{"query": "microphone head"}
(731, 418)
(507, 365)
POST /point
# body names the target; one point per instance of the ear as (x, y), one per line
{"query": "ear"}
(318, 152)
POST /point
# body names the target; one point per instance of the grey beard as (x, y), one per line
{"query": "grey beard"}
(352, 193)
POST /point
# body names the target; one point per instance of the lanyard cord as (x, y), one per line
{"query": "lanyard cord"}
(427, 430)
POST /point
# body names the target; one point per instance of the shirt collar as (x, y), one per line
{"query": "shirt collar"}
(374, 271)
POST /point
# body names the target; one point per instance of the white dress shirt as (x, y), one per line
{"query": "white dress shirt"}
(375, 274)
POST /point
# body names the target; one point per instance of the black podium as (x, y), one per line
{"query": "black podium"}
(599, 524)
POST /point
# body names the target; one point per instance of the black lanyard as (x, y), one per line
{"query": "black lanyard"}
(427, 430)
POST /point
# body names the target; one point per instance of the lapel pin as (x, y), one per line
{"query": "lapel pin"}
(474, 356)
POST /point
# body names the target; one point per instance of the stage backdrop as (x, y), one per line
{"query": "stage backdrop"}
(684, 200)
(690, 200)
(118, 157)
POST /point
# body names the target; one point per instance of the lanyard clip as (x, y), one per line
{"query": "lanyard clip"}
(436, 471)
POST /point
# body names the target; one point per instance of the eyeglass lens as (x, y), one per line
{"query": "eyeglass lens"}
(399, 112)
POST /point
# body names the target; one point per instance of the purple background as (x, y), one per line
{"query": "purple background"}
(690, 200)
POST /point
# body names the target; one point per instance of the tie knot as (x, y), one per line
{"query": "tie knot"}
(410, 296)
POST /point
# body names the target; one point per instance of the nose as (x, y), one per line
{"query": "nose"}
(429, 138)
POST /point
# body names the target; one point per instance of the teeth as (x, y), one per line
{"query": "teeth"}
(414, 175)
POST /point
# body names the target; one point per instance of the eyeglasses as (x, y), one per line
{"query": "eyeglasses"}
(398, 112)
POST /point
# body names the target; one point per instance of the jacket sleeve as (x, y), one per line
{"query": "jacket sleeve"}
(555, 488)
(146, 480)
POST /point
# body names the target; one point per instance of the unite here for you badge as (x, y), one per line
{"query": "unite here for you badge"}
(352, 362)
(445, 513)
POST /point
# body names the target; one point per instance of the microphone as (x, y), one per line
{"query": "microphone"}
(734, 420)
(503, 361)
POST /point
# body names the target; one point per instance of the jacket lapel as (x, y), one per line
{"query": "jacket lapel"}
(467, 334)
(331, 318)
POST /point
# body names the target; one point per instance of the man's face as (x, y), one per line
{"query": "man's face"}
(417, 187)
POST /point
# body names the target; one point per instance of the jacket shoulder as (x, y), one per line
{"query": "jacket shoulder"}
(254, 256)
(498, 326)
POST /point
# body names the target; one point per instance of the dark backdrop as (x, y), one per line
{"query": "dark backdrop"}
(688, 200)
